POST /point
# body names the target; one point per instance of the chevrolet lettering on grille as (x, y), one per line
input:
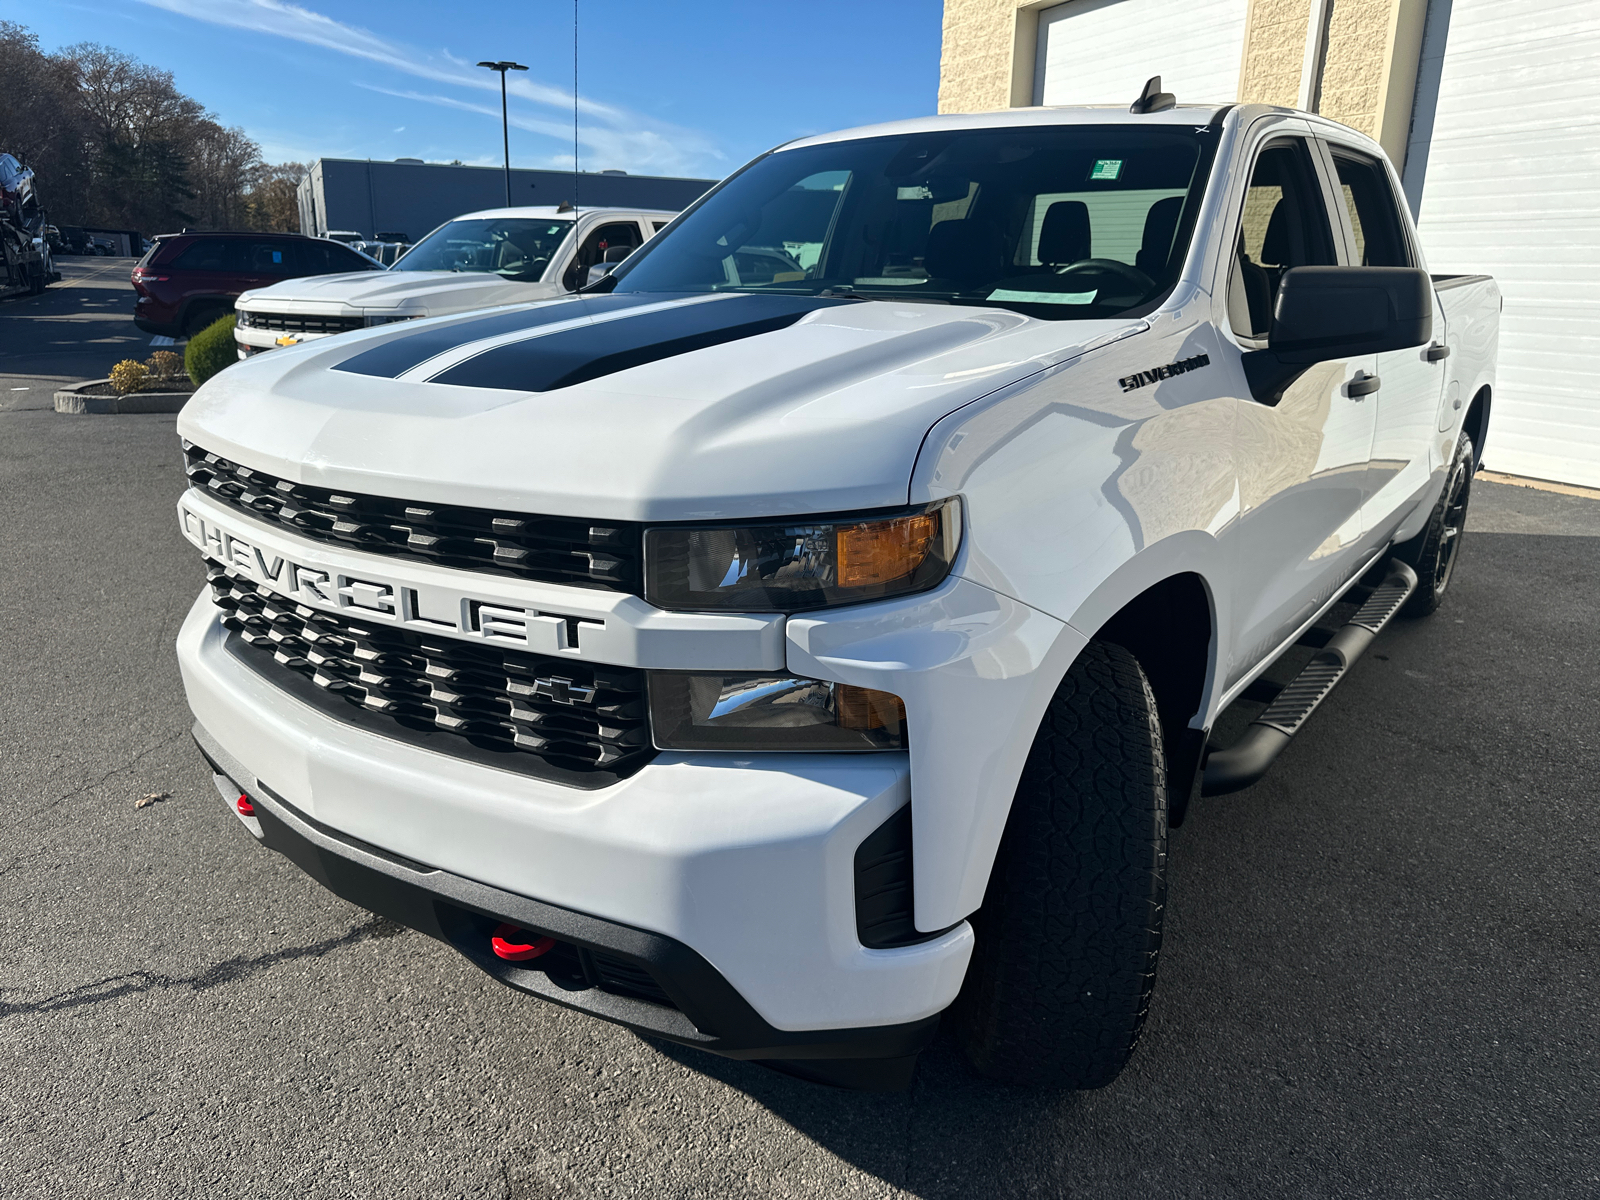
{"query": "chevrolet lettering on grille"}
(430, 610)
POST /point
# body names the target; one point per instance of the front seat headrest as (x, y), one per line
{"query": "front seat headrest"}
(1275, 243)
(966, 251)
(1065, 236)
(1160, 224)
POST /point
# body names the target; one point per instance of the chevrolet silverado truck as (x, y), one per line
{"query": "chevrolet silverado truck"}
(807, 634)
(479, 260)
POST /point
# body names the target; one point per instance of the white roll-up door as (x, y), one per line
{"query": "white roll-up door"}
(1510, 185)
(1102, 51)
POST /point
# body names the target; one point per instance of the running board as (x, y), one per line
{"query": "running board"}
(1248, 759)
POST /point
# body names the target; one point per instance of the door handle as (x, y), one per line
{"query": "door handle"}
(1361, 384)
(1436, 353)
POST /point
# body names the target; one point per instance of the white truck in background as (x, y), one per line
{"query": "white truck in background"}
(478, 260)
(808, 632)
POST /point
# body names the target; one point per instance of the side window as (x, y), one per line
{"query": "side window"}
(658, 226)
(213, 254)
(606, 237)
(1284, 225)
(1374, 219)
(268, 258)
(341, 258)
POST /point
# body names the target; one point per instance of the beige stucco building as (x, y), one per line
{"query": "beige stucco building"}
(1485, 106)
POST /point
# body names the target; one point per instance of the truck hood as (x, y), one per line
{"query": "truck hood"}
(631, 407)
(425, 293)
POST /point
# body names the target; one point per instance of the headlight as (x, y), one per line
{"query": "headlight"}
(387, 318)
(771, 712)
(798, 564)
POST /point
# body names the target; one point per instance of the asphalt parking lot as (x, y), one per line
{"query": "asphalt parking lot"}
(1379, 979)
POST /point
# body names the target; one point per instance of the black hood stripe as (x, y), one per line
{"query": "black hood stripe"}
(398, 356)
(572, 356)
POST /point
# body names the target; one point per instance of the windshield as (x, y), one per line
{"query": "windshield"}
(512, 247)
(1058, 222)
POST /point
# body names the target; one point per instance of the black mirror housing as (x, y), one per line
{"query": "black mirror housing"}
(1339, 312)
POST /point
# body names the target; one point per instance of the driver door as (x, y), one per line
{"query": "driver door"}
(1302, 457)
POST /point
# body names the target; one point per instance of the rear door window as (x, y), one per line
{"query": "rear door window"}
(1369, 203)
(271, 258)
(214, 254)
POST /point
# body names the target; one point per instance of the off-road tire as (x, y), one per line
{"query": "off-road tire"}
(1070, 929)
(1434, 552)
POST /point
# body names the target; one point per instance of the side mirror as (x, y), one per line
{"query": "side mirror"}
(599, 271)
(1339, 312)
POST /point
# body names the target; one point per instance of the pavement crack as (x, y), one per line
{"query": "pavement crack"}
(93, 783)
(136, 983)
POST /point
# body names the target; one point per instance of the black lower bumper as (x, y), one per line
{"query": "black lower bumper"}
(650, 983)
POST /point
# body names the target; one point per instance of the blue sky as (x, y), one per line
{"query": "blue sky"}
(687, 88)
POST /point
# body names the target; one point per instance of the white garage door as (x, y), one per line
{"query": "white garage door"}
(1102, 51)
(1512, 188)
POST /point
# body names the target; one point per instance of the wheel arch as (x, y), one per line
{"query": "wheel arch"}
(1476, 423)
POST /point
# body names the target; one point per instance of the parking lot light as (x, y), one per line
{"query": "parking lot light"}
(505, 129)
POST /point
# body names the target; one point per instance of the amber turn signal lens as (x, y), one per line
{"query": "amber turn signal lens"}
(884, 551)
(862, 708)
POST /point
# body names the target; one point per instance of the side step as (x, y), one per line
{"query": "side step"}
(1248, 759)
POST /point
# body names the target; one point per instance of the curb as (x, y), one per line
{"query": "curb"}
(69, 401)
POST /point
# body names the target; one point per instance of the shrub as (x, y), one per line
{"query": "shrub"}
(210, 350)
(128, 376)
(164, 365)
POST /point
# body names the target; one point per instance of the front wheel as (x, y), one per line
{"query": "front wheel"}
(1434, 551)
(1070, 928)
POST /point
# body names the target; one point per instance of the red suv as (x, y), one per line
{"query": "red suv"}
(189, 280)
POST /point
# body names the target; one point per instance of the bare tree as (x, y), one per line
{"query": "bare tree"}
(113, 142)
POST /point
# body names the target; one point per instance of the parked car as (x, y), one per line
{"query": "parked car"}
(73, 240)
(780, 653)
(498, 256)
(187, 281)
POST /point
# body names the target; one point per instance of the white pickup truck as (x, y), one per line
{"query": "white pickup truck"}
(479, 260)
(810, 631)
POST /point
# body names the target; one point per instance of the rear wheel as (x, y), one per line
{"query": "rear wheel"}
(1070, 929)
(1434, 551)
(202, 317)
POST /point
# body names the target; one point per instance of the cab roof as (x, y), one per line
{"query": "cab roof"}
(1020, 118)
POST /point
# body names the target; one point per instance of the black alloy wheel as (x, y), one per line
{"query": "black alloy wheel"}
(1433, 553)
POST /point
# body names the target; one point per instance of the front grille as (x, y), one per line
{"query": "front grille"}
(550, 549)
(300, 323)
(471, 701)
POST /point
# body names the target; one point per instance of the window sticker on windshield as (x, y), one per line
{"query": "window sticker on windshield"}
(277, 256)
(1106, 168)
(1017, 297)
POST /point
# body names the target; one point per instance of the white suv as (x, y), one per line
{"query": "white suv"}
(481, 259)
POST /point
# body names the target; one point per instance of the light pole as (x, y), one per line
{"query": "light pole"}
(505, 126)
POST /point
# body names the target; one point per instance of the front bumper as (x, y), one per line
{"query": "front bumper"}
(745, 862)
(649, 983)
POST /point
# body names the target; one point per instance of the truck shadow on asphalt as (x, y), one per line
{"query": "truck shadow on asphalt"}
(952, 1135)
(134, 983)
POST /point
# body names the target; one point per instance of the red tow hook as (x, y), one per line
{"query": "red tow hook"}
(246, 809)
(514, 944)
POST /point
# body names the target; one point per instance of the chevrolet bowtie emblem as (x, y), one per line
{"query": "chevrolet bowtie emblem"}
(287, 339)
(564, 691)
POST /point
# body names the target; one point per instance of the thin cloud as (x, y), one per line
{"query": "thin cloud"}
(614, 134)
(652, 149)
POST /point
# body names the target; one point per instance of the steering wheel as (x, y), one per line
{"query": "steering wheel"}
(1111, 266)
